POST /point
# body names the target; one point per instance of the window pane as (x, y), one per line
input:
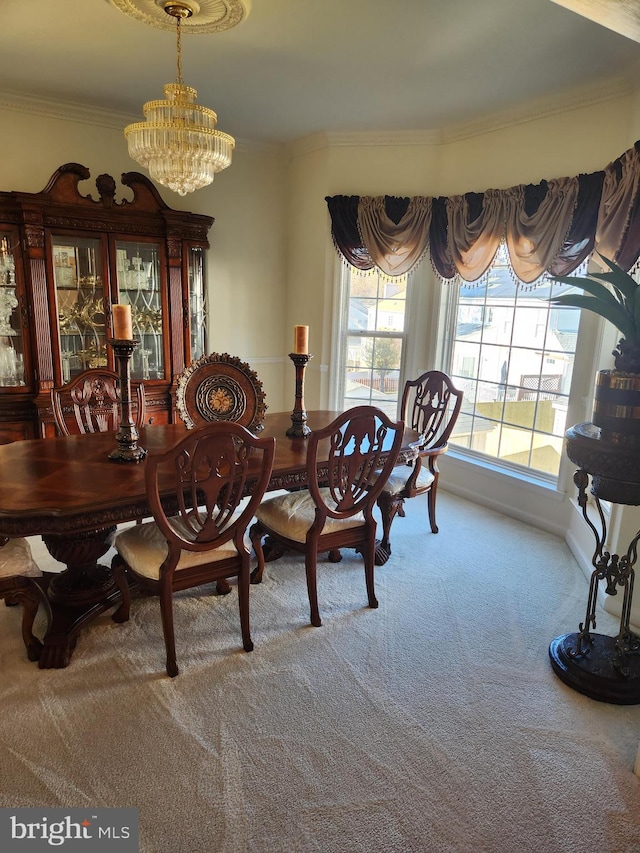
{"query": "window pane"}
(372, 361)
(512, 355)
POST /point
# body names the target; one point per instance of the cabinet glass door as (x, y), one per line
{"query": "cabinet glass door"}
(80, 298)
(138, 278)
(11, 334)
(197, 305)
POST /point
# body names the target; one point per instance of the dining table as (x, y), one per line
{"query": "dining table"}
(67, 490)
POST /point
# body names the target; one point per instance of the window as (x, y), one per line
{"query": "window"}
(372, 340)
(512, 354)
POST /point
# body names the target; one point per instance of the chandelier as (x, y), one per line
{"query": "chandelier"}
(178, 143)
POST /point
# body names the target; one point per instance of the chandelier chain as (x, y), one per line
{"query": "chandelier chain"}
(179, 34)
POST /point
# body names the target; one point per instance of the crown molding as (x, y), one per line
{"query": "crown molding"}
(531, 111)
(569, 100)
(540, 108)
(318, 141)
(22, 102)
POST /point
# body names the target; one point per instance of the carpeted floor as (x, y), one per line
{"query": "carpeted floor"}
(434, 723)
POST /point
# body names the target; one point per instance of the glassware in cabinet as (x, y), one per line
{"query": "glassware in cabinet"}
(139, 285)
(12, 344)
(80, 299)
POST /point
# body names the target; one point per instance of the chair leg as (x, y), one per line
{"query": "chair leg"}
(243, 604)
(310, 565)
(369, 554)
(166, 613)
(389, 506)
(256, 532)
(431, 505)
(119, 571)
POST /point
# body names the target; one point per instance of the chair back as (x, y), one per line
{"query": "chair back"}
(208, 472)
(363, 448)
(220, 387)
(431, 405)
(90, 403)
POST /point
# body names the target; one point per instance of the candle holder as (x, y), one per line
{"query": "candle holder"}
(127, 435)
(299, 428)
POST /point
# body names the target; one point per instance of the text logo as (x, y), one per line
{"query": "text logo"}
(36, 830)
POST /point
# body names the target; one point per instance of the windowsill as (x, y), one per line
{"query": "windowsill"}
(498, 472)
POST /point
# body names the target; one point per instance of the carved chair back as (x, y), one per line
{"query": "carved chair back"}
(89, 403)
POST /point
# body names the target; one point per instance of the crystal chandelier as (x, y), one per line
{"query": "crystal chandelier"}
(178, 143)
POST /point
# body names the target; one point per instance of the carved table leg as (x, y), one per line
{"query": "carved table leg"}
(28, 592)
(77, 595)
(602, 667)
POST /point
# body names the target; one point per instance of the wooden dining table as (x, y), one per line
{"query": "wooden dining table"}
(68, 491)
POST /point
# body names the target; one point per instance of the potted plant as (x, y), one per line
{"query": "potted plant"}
(614, 295)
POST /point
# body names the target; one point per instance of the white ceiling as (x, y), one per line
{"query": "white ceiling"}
(296, 67)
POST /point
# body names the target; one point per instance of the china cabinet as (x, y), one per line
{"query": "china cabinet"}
(65, 260)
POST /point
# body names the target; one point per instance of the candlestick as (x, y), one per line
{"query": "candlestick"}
(122, 325)
(301, 339)
(127, 435)
(299, 426)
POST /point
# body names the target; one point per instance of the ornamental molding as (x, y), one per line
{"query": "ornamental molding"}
(541, 108)
(67, 111)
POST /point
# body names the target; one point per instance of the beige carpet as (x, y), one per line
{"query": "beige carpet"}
(432, 724)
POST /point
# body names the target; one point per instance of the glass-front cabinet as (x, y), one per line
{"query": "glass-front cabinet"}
(13, 332)
(81, 304)
(65, 260)
(139, 284)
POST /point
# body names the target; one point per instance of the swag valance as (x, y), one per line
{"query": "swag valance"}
(551, 227)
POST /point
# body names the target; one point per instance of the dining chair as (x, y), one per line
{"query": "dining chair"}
(220, 387)
(203, 541)
(430, 406)
(89, 403)
(18, 573)
(336, 509)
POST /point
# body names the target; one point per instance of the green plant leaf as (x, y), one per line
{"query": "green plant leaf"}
(621, 280)
(611, 311)
(595, 288)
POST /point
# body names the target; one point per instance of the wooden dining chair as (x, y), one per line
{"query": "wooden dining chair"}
(430, 406)
(207, 473)
(220, 387)
(89, 403)
(18, 573)
(336, 510)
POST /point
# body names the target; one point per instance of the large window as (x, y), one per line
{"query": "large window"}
(512, 354)
(372, 339)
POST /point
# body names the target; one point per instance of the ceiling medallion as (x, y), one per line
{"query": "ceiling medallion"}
(207, 16)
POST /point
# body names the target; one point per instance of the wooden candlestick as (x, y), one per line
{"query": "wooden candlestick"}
(127, 435)
(299, 426)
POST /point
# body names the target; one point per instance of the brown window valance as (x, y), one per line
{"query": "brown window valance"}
(551, 227)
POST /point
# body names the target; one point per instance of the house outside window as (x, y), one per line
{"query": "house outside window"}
(512, 353)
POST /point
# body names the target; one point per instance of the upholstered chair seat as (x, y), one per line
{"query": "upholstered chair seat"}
(292, 515)
(144, 548)
(397, 481)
